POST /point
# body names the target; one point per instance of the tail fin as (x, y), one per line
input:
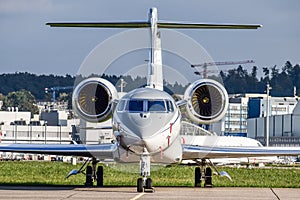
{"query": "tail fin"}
(155, 74)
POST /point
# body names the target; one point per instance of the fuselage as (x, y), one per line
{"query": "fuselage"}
(148, 119)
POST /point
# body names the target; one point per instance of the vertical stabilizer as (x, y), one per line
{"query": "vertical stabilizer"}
(155, 74)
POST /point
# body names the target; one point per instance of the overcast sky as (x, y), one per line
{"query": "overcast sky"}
(28, 45)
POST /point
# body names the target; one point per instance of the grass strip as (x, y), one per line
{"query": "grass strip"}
(54, 173)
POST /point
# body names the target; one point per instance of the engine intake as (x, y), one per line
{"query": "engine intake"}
(92, 99)
(207, 101)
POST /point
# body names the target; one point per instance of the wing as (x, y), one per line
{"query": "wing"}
(103, 151)
(191, 152)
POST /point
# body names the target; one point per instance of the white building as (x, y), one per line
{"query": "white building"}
(35, 134)
(278, 106)
(6, 117)
(235, 121)
(95, 133)
(284, 130)
(19, 127)
(242, 107)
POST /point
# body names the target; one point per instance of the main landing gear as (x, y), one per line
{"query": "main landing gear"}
(91, 174)
(204, 173)
(144, 184)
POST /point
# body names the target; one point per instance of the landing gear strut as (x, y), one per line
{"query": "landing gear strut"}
(91, 174)
(204, 173)
(144, 183)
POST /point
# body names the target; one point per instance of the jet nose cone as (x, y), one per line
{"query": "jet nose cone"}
(150, 145)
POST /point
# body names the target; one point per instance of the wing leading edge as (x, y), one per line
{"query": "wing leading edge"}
(106, 151)
(201, 152)
(103, 151)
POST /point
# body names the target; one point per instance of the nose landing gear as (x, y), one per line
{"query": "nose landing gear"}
(144, 184)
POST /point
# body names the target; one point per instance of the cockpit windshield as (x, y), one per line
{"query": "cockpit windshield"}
(136, 106)
(156, 106)
(145, 105)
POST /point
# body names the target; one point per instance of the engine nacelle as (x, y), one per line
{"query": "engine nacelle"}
(93, 99)
(207, 101)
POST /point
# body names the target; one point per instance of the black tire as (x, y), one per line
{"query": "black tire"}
(197, 177)
(208, 177)
(100, 176)
(149, 183)
(89, 176)
(140, 185)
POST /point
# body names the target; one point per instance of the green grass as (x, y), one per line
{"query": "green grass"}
(54, 173)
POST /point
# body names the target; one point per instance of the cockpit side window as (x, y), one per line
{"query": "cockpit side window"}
(135, 106)
(156, 106)
(121, 105)
(170, 106)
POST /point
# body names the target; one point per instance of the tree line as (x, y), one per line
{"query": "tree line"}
(283, 81)
(31, 87)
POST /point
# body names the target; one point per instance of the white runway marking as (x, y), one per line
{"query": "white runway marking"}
(137, 196)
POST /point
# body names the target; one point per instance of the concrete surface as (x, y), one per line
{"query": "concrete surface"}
(44, 193)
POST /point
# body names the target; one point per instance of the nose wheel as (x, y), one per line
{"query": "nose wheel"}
(144, 184)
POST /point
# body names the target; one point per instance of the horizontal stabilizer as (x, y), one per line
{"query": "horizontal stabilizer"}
(182, 25)
(145, 24)
(101, 24)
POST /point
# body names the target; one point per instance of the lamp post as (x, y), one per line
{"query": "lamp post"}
(267, 115)
(45, 132)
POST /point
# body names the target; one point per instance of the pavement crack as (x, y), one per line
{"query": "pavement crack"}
(275, 193)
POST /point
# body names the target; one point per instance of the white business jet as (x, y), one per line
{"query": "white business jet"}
(147, 121)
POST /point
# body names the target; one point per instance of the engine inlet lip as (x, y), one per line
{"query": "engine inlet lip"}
(81, 112)
(221, 95)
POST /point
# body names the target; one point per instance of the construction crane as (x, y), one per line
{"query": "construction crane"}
(56, 89)
(205, 65)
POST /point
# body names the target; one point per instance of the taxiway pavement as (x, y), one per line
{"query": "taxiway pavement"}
(61, 193)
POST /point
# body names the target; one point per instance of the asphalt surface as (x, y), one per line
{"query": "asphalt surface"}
(44, 193)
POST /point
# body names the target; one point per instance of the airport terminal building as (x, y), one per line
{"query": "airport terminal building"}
(284, 129)
(246, 117)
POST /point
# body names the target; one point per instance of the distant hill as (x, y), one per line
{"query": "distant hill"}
(36, 84)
